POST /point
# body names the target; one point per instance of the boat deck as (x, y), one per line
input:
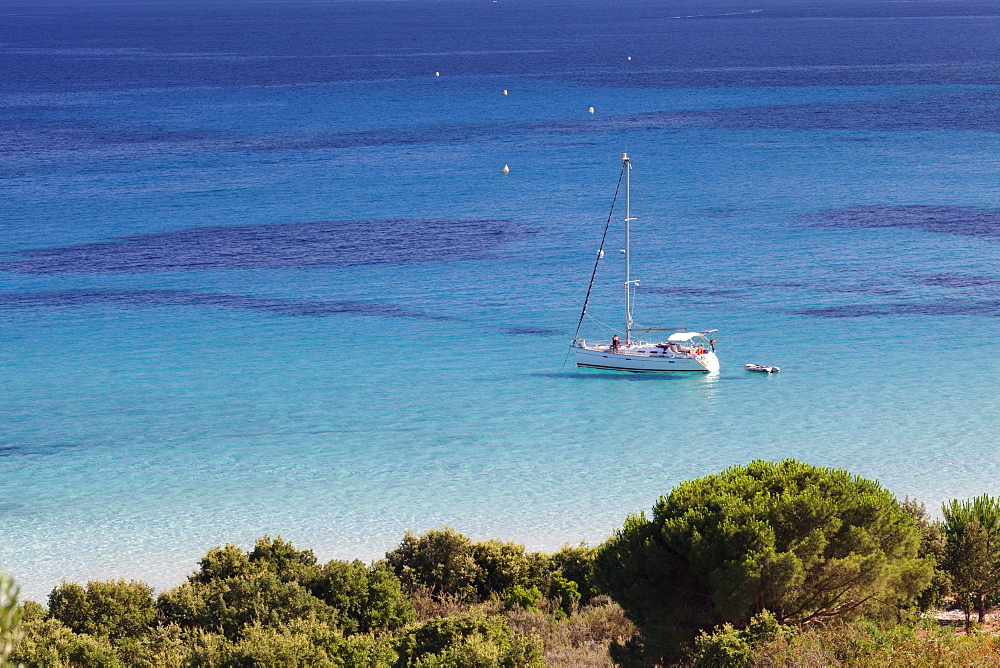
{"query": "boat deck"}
(644, 351)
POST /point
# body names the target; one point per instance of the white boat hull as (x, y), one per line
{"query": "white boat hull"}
(625, 361)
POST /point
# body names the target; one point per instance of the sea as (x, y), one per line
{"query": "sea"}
(262, 270)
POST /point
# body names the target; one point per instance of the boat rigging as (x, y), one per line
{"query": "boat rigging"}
(682, 351)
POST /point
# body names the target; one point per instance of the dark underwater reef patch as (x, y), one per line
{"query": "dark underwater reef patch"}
(773, 284)
(287, 307)
(869, 288)
(530, 331)
(276, 246)
(954, 280)
(19, 135)
(25, 136)
(964, 220)
(689, 291)
(986, 308)
(862, 289)
(854, 140)
(883, 116)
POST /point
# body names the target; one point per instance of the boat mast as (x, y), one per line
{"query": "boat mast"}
(628, 278)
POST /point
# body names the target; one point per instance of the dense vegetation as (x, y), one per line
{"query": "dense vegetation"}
(439, 599)
(803, 543)
(764, 564)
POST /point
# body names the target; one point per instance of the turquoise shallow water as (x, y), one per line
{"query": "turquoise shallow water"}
(843, 227)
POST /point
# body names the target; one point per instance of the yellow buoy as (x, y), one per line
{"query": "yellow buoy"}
(630, 57)
(437, 74)
(591, 110)
(504, 91)
(506, 169)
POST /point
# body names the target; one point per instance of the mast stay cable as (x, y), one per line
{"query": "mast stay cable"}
(600, 252)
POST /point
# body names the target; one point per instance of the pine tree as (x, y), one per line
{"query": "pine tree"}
(972, 556)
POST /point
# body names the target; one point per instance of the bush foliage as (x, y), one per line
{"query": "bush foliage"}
(733, 569)
(468, 640)
(115, 609)
(803, 542)
(277, 605)
(449, 563)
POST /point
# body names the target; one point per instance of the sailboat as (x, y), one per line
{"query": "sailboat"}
(681, 351)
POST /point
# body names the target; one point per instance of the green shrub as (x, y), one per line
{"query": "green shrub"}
(50, 643)
(805, 542)
(300, 642)
(387, 606)
(167, 645)
(364, 651)
(31, 611)
(450, 564)
(479, 652)
(268, 646)
(502, 564)
(205, 649)
(576, 563)
(468, 640)
(343, 585)
(726, 646)
(433, 636)
(359, 650)
(519, 597)
(441, 560)
(185, 605)
(565, 593)
(233, 604)
(366, 599)
(116, 609)
(736, 648)
(536, 570)
(284, 560)
(221, 563)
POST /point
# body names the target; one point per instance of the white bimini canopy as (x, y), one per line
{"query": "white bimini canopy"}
(683, 336)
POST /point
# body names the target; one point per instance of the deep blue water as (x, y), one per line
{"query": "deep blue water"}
(261, 271)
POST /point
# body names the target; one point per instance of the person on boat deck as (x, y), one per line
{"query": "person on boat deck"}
(615, 343)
